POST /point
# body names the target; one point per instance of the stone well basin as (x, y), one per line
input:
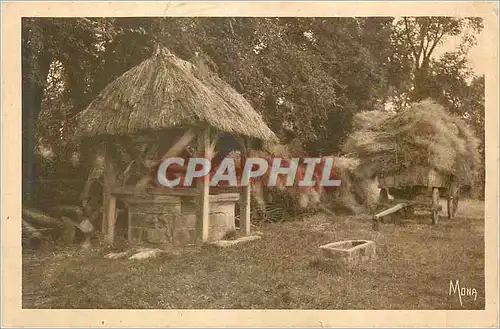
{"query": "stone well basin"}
(350, 252)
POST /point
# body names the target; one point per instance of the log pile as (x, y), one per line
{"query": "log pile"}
(64, 227)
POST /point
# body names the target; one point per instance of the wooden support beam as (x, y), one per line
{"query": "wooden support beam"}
(109, 202)
(245, 194)
(213, 142)
(242, 142)
(181, 144)
(111, 218)
(136, 155)
(203, 186)
(126, 173)
(139, 164)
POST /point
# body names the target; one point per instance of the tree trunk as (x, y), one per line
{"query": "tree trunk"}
(422, 83)
(35, 68)
(31, 107)
(39, 219)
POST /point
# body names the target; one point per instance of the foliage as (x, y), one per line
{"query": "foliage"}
(307, 77)
(417, 39)
(262, 58)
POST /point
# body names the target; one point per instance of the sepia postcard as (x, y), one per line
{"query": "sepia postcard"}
(249, 164)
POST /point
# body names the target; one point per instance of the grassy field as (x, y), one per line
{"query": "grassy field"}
(415, 264)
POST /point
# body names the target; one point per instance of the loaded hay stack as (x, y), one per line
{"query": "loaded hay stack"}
(356, 194)
(423, 136)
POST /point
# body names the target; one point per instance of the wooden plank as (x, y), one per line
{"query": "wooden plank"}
(390, 210)
(203, 186)
(419, 176)
(180, 191)
(245, 195)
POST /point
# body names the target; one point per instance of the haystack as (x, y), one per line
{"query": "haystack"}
(424, 135)
(356, 194)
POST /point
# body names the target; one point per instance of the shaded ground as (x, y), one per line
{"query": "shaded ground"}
(416, 262)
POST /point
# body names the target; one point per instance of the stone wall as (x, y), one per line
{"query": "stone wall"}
(152, 218)
(171, 220)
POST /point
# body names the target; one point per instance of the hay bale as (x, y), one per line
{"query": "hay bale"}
(356, 194)
(343, 168)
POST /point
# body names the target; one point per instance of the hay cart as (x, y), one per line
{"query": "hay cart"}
(416, 189)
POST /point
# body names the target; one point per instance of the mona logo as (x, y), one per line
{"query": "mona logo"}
(455, 289)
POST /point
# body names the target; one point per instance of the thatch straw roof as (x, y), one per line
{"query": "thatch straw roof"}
(166, 92)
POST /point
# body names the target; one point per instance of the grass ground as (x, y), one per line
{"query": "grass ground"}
(415, 264)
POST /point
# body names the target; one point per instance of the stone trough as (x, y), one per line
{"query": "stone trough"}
(350, 252)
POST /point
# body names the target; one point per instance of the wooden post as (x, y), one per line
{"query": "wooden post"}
(111, 213)
(245, 195)
(109, 201)
(203, 186)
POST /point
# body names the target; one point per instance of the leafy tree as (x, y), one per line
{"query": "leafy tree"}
(475, 115)
(74, 49)
(422, 35)
(285, 66)
(289, 67)
(306, 76)
(448, 82)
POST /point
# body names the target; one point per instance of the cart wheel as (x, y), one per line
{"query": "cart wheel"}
(383, 198)
(435, 201)
(452, 205)
(455, 205)
(409, 211)
(449, 206)
(384, 195)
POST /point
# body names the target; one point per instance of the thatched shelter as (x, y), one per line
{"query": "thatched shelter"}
(157, 109)
(166, 92)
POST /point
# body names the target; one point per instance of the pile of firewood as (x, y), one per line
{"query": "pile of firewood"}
(66, 225)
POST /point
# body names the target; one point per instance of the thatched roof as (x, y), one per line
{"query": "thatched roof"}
(166, 92)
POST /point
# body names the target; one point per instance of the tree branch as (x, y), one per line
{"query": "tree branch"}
(436, 42)
(407, 29)
(423, 33)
